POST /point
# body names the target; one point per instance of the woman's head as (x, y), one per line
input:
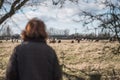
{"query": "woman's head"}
(34, 30)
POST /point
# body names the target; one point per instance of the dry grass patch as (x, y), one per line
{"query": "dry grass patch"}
(81, 60)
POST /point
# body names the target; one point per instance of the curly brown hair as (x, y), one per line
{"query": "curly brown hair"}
(34, 30)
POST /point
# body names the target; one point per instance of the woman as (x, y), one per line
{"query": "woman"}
(33, 59)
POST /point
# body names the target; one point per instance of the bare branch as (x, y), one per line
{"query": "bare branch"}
(1, 3)
(15, 6)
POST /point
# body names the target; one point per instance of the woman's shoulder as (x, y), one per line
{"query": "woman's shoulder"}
(29, 45)
(33, 44)
(20, 46)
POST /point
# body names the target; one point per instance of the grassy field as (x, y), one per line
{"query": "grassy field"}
(79, 61)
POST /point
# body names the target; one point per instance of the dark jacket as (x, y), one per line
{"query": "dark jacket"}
(33, 61)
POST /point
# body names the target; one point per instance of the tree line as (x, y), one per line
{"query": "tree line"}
(7, 33)
(109, 19)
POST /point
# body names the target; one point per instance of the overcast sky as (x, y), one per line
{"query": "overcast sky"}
(53, 16)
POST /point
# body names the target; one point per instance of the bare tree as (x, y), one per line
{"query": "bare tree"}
(109, 19)
(66, 32)
(51, 31)
(61, 2)
(9, 7)
(14, 6)
(55, 2)
(7, 31)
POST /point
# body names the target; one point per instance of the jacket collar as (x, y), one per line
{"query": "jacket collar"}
(36, 40)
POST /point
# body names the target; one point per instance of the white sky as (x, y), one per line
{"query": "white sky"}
(53, 16)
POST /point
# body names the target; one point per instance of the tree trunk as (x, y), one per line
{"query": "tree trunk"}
(15, 6)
